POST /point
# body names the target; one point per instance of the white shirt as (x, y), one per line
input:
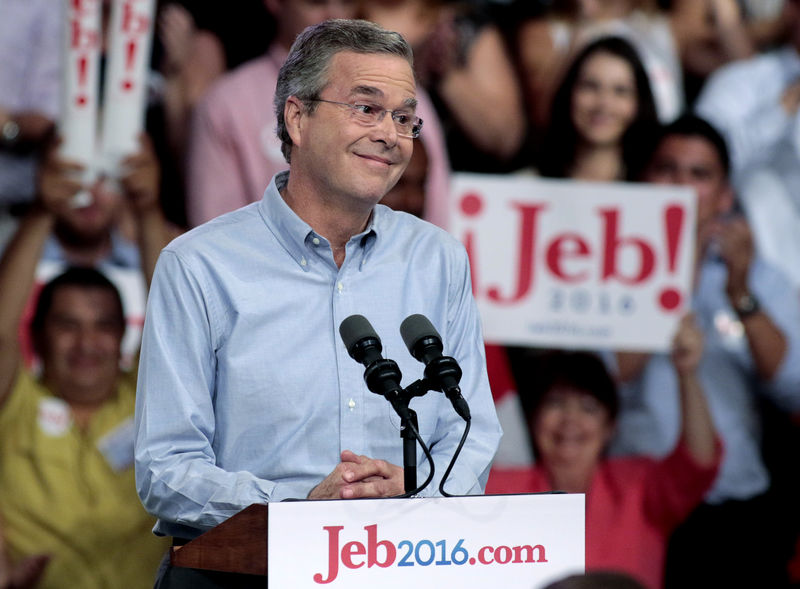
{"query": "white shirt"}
(743, 101)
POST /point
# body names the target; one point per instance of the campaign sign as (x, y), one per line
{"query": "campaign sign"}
(80, 83)
(561, 263)
(125, 93)
(469, 542)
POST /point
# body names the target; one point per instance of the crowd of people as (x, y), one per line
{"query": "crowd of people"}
(685, 457)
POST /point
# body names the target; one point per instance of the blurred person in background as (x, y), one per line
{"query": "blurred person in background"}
(120, 232)
(68, 502)
(30, 80)
(197, 41)
(692, 38)
(602, 117)
(750, 319)
(755, 104)
(601, 123)
(461, 59)
(632, 503)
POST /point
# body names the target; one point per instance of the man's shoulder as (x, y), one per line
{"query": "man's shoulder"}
(402, 221)
(406, 227)
(231, 224)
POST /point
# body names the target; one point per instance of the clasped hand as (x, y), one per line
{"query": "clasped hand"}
(360, 477)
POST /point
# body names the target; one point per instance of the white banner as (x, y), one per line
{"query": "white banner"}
(80, 84)
(125, 92)
(469, 542)
(560, 263)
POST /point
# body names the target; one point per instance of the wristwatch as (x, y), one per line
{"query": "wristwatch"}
(9, 132)
(746, 305)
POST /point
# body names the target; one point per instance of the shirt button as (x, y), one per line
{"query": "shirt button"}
(339, 286)
(303, 262)
(351, 404)
(315, 241)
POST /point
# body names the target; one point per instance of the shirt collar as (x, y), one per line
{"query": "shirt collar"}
(296, 236)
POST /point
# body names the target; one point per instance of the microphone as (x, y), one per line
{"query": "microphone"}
(381, 375)
(425, 344)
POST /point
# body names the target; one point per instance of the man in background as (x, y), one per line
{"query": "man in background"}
(750, 319)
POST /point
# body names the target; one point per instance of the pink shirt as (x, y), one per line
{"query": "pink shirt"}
(234, 151)
(632, 506)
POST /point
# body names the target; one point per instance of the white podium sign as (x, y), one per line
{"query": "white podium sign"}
(507, 541)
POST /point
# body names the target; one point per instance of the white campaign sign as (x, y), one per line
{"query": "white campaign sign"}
(125, 93)
(80, 84)
(124, 98)
(560, 263)
(510, 541)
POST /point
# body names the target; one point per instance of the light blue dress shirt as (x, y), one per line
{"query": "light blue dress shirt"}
(246, 393)
(649, 420)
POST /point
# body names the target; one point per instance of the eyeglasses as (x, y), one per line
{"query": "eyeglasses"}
(370, 115)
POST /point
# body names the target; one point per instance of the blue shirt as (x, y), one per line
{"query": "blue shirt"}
(246, 392)
(649, 420)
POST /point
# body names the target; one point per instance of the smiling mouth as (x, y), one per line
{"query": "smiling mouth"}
(375, 158)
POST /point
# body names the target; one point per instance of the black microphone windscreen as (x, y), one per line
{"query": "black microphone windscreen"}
(414, 328)
(354, 329)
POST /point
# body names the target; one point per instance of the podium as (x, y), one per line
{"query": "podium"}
(238, 545)
(525, 540)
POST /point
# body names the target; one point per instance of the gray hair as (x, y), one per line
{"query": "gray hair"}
(304, 74)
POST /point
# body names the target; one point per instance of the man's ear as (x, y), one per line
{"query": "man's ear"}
(294, 112)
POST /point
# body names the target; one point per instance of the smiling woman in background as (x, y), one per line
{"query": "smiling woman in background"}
(632, 503)
(601, 117)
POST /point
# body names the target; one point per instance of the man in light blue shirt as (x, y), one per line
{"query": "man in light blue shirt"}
(246, 391)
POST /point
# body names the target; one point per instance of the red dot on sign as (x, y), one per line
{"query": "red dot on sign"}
(80, 100)
(127, 85)
(472, 560)
(670, 299)
(471, 204)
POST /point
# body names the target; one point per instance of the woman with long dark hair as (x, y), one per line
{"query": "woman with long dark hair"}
(602, 117)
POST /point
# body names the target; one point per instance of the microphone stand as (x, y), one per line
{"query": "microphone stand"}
(409, 450)
(409, 429)
(384, 371)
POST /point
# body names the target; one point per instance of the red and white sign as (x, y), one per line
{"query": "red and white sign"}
(431, 543)
(560, 263)
(80, 84)
(129, 41)
(125, 92)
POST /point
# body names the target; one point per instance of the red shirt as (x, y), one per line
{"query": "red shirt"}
(632, 506)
